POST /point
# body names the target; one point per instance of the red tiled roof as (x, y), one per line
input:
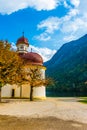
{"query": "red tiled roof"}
(32, 58)
(22, 40)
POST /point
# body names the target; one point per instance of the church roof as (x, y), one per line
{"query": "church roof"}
(32, 58)
(22, 40)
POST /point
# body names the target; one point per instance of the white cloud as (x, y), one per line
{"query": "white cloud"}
(65, 24)
(75, 2)
(75, 22)
(50, 24)
(13, 46)
(8, 6)
(83, 6)
(69, 38)
(74, 28)
(43, 4)
(43, 37)
(71, 26)
(73, 12)
(66, 4)
(46, 53)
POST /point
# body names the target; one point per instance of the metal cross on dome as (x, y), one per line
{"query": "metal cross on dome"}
(31, 49)
(23, 33)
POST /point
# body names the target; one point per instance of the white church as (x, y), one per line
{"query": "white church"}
(32, 60)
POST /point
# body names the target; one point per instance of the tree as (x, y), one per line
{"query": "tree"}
(11, 66)
(35, 79)
(13, 70)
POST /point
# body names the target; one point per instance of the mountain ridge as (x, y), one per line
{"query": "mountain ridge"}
(79, 41)
(69, 65)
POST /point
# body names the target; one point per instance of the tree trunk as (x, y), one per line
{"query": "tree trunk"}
(31, 94)
(21, 91)
(0, 94)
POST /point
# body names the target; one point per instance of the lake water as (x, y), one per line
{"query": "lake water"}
(65, 94)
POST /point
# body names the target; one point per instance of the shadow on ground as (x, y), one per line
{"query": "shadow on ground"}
(49, 123)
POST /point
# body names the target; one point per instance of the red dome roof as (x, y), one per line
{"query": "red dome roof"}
(32, 58)
(22, 40)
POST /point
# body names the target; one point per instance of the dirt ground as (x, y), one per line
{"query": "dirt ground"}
(47, 123)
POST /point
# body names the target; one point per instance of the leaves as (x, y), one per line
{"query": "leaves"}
(11, 66)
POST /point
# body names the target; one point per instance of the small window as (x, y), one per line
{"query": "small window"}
(21, 47)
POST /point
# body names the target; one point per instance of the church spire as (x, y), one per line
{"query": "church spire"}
(23, 33)
(22, 44)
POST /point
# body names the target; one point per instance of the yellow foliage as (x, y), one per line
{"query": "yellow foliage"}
(11, 66)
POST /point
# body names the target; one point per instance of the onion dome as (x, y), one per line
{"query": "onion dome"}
(32, 58)
(22, 40)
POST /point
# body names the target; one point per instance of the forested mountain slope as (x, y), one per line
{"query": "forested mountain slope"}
(69, 66)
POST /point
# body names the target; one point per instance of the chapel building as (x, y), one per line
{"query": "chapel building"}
(32, 60)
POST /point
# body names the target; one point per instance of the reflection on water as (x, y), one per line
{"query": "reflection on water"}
(65, 94)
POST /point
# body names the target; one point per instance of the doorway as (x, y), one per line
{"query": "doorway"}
(13, 93)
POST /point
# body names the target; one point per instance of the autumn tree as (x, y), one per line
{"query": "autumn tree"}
(14, 71)
(11, 66)
(35, 79)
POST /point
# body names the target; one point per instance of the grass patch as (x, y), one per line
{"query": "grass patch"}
(83, 100)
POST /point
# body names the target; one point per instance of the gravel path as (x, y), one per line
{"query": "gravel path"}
(62, 108)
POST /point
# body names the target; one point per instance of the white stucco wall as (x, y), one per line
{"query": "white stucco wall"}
(39, 92)
(23, 49)
(6, 91)
(17, 92)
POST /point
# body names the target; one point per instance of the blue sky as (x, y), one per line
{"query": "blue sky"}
(47, 24)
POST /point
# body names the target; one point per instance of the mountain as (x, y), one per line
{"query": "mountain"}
(68, 66)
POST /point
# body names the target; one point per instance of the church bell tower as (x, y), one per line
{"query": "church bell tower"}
(22, 45)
